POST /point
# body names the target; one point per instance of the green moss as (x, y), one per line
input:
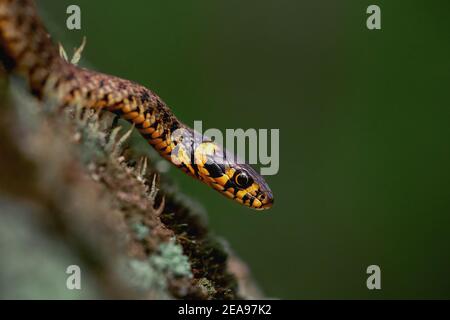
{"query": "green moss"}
(144, 276)
(153, 274)
(140, 230)
(171, 260)
(207, 286)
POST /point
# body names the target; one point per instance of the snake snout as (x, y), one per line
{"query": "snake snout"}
(266, 200)
(263, 199)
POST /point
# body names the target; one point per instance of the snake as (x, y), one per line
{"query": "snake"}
(27, 51)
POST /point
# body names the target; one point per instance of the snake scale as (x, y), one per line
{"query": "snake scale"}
(27, 50)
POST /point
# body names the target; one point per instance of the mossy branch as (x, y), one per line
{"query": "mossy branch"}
(133, 236)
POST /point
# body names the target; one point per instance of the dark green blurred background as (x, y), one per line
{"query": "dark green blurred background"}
(363, 118)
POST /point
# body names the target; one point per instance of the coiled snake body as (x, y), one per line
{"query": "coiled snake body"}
(27, 50)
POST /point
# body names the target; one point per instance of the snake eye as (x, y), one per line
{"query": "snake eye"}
(243, 180)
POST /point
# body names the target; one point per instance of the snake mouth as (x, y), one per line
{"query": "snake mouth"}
(267, 205)
(263, 207)
(263, 201)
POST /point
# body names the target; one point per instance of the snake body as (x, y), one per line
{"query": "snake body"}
(27, 50)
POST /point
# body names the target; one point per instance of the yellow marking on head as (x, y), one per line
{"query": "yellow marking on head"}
(256, 203)
(241, 193)
(222, 180)
(230, 172)
(253, 188)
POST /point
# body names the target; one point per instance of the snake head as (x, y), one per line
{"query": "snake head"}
(253, 191)
(239, 182)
